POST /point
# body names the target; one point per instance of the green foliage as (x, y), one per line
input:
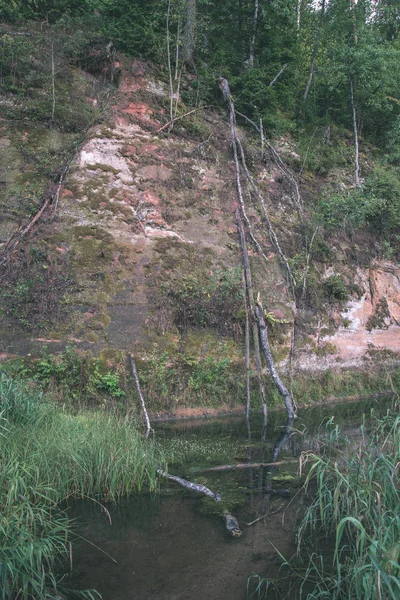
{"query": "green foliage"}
(200, 301)
(207, 374)
(172, 381)
(256, 99)
(33, 284)
(376, 205)
(363, 522)
(85, 377)
(336, 289)
(47, 456)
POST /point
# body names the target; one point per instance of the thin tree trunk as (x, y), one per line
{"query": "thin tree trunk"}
(247, 350)
(298, 15)
(356, 148)
(315, 50)
(190, 32)
(224, 86)
(275, 79)
(253, 34)
(250, 295)
(271, 230)
(139, 391)
(171, 85)
(177, 50)
(53, 87)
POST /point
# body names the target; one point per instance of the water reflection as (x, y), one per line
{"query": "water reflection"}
(174, 545)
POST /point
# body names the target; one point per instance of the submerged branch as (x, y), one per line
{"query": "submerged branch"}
(194, 487)
(254, 465)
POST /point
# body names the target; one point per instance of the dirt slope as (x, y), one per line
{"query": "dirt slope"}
(142, 210)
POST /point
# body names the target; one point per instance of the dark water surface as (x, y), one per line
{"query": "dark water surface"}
(174, 545)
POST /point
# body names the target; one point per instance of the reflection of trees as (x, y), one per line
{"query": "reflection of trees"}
(261, 479)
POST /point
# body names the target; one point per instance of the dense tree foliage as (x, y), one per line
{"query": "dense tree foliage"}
(336, 40)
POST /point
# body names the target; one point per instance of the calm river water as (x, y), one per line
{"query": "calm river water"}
(174, 545)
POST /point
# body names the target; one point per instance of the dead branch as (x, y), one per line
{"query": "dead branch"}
(176, 119)
(247, 350)
(57, 194)
(139, 391)
(306, 269)
(240, 466)
(194, 487)
(268, 514)
(271, 231)
(53, 88)
(275, 79)
(14, 241)
(284, 169)
(224, 87)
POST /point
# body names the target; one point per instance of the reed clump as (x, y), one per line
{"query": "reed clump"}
(355, 516)
(348, 541)
(47, 456)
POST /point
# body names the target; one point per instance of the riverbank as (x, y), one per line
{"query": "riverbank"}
(178, 390)
(348, 539)
(48, 456)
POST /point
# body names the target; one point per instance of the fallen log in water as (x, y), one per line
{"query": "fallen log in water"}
(194, 487)
(244, 466)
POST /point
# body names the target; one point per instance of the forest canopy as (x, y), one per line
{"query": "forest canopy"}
(322, 53)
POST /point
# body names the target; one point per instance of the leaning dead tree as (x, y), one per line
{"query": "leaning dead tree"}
(260, 333)
(139, 391)
(280, 386)
(50, 201)
(249, 294)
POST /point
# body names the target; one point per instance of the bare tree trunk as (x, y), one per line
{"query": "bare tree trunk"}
(253, 34)
(177, 50)
(53, 87)
(298, 15)
(315, 50)
(190, 32)
(171, 85)
(282, 389)
(250, 295)
(224, 86)
(247, 344)
(139, 391)
(275, 79)
(356, 148)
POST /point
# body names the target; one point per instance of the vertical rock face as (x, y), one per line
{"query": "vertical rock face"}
(141, 210)
(373, 321)
(368, 325)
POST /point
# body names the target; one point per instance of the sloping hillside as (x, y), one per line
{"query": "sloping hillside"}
(138, 250)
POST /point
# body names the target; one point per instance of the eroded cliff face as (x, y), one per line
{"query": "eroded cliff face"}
(143, 211)
(371, 322)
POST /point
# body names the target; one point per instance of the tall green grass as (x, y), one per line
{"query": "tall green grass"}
(47, 456)
(348, 543)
